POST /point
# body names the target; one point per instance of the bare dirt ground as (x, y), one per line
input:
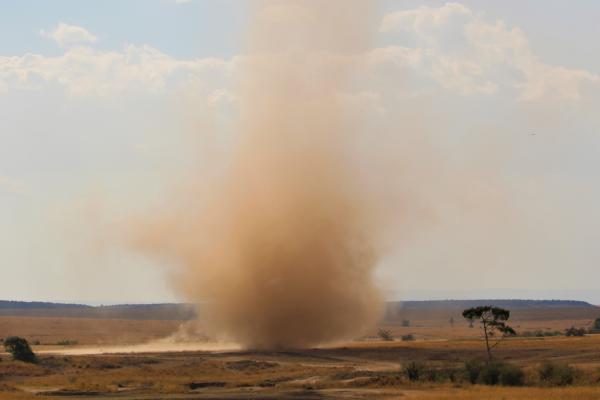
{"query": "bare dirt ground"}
(363, 369)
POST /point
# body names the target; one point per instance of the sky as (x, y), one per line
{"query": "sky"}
(491, 107)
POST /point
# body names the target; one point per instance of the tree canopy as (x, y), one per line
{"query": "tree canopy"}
(493, 320)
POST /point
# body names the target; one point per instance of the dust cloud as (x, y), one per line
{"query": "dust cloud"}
(280, 247)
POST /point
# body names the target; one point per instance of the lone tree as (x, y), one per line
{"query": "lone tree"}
(19, 348)
(493, 320)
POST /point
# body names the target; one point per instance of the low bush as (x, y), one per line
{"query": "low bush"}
(433, 374)
(407, 338)
(572, 331)
(490, 374)
(494, 373)
(540, 333)
(553, 333)
(453, 374)
(414, 370)
(511, 375)
(473, 369)
(19, 349)
(417, 371)
(385, 334)
(556, 374)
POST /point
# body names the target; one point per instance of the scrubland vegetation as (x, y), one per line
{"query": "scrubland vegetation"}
(386, 364)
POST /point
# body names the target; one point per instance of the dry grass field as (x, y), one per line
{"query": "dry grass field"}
(363, 369)
(51, 330)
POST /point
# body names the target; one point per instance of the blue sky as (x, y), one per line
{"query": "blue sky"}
(185, 30)
(104, 114)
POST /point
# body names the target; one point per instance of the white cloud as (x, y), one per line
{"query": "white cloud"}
(85, 71)
(463, 52)
(423, 19)
(69, 35)
(182, 1)
(450, 46)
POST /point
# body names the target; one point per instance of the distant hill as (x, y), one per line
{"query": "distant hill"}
(504, 303)
(182, 311)
(521, 310)
(165, 311)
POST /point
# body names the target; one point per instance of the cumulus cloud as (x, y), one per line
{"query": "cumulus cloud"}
(463, 52)
(86, 71)
(69, 35)
(423, 19)
(450, 47)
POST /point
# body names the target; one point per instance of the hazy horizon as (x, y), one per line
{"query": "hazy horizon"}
(589, 296)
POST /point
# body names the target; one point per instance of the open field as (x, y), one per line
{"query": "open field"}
(354, 371)
(51, 330)
(363, 369)
(424, 324)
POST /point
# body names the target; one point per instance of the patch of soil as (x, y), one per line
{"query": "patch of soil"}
(69, 393)
(243, 365)
(200, 385)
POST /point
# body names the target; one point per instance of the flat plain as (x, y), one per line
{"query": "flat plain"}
(366, 368)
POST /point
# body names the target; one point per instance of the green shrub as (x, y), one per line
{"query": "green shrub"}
(556, 374)
(494, 373)
(511, 375)
(473, 369)
(452, 374)
(433, 374)
(19, 348)
(572, 331)
(490, 374)
(407, 338)
(385, 334)
(540, 333)
(414, 370)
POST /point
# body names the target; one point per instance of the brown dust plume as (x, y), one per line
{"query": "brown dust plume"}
(280, 247)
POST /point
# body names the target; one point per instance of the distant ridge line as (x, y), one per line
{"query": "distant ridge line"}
(159, 311)
(185, 311)
(504, 303)
(39, 304)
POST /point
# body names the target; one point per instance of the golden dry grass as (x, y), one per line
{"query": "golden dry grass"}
(50, 330)
(358, 370)
(478, 392)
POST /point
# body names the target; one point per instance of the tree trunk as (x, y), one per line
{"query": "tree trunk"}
(487, 342)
